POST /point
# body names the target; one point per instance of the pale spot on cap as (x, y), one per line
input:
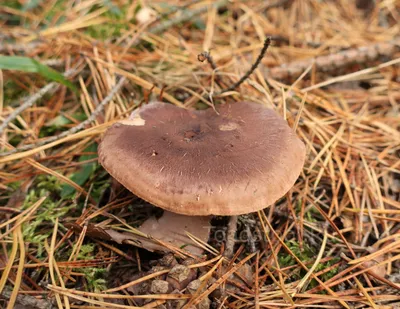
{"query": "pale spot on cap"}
(230, 126)
(134, 120)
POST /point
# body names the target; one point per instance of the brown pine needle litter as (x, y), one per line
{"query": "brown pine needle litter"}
(332, 70)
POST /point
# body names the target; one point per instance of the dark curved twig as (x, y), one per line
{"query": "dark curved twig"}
(267, 43)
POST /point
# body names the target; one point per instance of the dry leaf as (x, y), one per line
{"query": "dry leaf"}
(170, 229)
(379, 270)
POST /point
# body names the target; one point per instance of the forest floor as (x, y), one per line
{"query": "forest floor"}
(332, 71)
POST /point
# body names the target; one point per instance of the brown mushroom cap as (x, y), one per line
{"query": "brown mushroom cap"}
(201, 163)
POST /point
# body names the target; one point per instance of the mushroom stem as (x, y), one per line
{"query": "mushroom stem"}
(230, 236)
(172, 228)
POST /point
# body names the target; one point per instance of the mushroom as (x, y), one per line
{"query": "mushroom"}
(201, 163)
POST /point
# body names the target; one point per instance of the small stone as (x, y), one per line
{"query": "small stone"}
(194, 286)
(189, 262)
(156, 269)
(160, 287)
(168, 260)
(140, 289)
(180, 276)
(204, 304)
(245, 272)
(176, 303)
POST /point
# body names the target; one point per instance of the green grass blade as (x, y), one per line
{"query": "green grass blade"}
(30, 65)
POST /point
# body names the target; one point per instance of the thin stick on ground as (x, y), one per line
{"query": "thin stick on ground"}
(176, 9)
(30, 301)
(188, 15)
(75, 129)
(28, 103)
(335, 61)
(206, 55)
(52, 87)
(267, 43)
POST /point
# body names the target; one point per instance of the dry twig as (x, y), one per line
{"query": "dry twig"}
(334, 62)
(75, 129)
(49, 88)
(267, 42)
